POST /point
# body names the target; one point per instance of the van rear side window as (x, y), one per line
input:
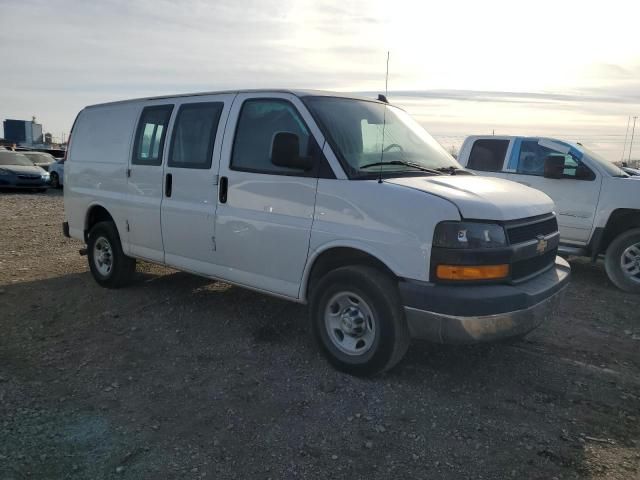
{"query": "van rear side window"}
(150, 136)
(488, 155)
(194, 134)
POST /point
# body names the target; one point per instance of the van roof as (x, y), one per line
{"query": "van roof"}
(296, 92)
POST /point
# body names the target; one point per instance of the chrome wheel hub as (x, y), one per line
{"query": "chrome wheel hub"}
(630, 262)
(103, 256)
(350, 324)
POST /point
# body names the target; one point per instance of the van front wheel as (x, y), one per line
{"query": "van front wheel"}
(110, 267)
(622, 261)
(358, 321)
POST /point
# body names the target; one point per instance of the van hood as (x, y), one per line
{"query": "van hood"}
(483, 198)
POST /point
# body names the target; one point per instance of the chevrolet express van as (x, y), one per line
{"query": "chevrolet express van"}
(346, 204)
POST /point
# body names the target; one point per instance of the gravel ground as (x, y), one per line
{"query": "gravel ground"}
(181, 377)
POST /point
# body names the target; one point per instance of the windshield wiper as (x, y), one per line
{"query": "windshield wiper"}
(402, 162)
(454, 170)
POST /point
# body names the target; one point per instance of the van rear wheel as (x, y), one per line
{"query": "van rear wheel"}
(110, 267)
(622, 261)
(358, 321)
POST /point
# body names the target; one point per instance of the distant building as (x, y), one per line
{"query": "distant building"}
(23, 132)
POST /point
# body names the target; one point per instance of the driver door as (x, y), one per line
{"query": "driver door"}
(575, 194)
(265, 212)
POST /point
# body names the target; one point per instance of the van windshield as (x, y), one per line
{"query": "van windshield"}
(365, 133)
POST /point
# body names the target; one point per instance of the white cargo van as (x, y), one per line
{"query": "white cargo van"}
(597, 203)
(343, 203)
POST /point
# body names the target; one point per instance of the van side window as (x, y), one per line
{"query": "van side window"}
(194, 133)
(259, 121)
(150, 135)
(488, 155)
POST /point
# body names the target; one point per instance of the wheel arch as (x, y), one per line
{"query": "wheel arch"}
(333, 256)
(620, 220)
(96, 213)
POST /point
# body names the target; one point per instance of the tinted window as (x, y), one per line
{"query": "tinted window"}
(532, 156)
(40, 157)
(194, 134)
(14, 158)
(488, 155)
(150, 136)
(259, 121)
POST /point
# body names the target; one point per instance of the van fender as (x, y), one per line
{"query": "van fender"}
(118, 222)
(363, 247)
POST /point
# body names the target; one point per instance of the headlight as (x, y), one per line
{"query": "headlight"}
(469, 235)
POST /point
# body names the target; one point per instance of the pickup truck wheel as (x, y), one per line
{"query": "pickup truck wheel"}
(358, 321)
(110, 267)
(622, 261)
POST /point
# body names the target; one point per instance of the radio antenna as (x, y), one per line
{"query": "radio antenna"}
(633, 131)
(384, 116)
(624, 147)
(386, 78)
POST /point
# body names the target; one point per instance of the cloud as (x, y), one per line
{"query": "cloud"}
(65, 54)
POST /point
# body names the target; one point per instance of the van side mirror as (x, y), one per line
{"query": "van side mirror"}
(285, 152)
(554, 166)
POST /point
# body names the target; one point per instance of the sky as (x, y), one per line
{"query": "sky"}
(563, 68)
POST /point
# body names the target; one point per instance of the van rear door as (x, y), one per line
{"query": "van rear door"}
(190, 182)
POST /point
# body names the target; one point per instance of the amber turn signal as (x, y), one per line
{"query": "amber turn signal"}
(472, 272)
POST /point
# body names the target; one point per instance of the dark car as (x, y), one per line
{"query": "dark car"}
(40, 159)
(17, 171)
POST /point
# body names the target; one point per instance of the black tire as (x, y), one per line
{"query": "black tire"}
(121, 268)
(55, 180)
(380, 295)
(41, 190)
(613, 258)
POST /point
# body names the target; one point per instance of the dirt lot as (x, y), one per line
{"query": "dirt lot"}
(182, 377)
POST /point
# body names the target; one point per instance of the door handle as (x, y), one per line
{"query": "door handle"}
(168, 184)
(222, 189)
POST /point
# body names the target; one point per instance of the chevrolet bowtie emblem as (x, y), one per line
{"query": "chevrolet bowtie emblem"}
(542, 245)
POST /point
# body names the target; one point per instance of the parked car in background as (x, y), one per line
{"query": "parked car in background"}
(597, 203)
(41, 159)
(56, 172)
(300, 195)
(634, 172)
(17, 171)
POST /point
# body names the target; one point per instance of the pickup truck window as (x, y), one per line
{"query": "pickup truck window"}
(488, 155)
(532, 156)
(150, 135)
(363, 133)
(194, 134)
(259, 121)
(608, 166)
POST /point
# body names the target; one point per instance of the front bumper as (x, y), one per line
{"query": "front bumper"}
(28, 183)
(479, 313)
